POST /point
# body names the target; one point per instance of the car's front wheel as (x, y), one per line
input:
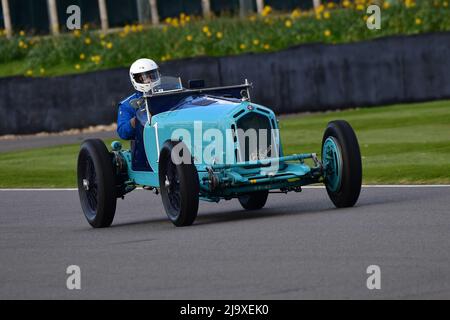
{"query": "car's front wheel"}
(96, 183)
(341, 159)
(178, 183)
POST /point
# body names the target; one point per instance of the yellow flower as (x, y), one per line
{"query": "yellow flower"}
(410, 3)
(21, 44)
(29, 72)
(82, 56)
(266, 46)
(77, 66)
(326, 14)
(168, 20)
(255, 42)
(360, 7)
(296, 13)
(166, 57)
(209, 34)
(252, 18)
(86, 26)
(320, 8)
(189, 38)
(87, 41)
(140, 27)
(346, 4)
(76, 33)
(445, 4)
(42, 70)
(22, 33)
(242, 46)
(288, 23)
(219, 35)
(330, 5)
(205, 29)
(318, 16)
(109, 45)
(327, 33)
(386, 5)
(418, 21)
(266, 11)
(96, 59)
(102, 36)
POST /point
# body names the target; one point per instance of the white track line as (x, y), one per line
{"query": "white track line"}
(306, 187)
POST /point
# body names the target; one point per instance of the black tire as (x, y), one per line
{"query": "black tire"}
(180, 195)
(254, 200)
(347, 193)
(98, 198)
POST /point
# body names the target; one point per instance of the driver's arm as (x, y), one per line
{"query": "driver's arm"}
(125, 118)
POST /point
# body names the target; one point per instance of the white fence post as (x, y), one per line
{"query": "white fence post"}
(206, 6)
(53, 17)
(154, 11)
(259, 6)
(103, 15)
(7, 18)
(316, 3)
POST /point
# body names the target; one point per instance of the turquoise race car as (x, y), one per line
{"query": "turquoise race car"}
(210, 144)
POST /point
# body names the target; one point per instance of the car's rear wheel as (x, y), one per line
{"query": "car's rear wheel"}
(96, 183)
(179, 184)
(254, 200)
(341, 159)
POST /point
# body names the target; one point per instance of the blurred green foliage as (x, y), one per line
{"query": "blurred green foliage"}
(186, 36)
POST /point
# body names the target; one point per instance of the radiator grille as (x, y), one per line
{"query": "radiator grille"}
(253, 125)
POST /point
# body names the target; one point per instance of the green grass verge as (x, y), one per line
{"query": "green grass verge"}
(400, 144)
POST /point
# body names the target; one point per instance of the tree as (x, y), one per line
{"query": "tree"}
(53, 17)
(206, 6)
(259, 6)
(316, 3)
(103, 15)
(7, 18)
(154, 11)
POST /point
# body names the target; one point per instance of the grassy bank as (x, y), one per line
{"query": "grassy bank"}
(185, 36)
(399, 144)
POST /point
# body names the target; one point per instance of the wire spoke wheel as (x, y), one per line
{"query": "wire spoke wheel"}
(173, 182)
(90, 184)
(96, 183)
(179, 186)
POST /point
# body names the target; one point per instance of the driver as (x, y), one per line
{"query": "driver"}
(144, 75)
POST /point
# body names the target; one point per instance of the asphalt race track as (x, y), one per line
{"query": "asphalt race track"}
(298, 247)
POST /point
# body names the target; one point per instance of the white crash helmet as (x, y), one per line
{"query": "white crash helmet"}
(144, 75)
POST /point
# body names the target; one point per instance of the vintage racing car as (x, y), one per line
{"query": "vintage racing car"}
(194, 144)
